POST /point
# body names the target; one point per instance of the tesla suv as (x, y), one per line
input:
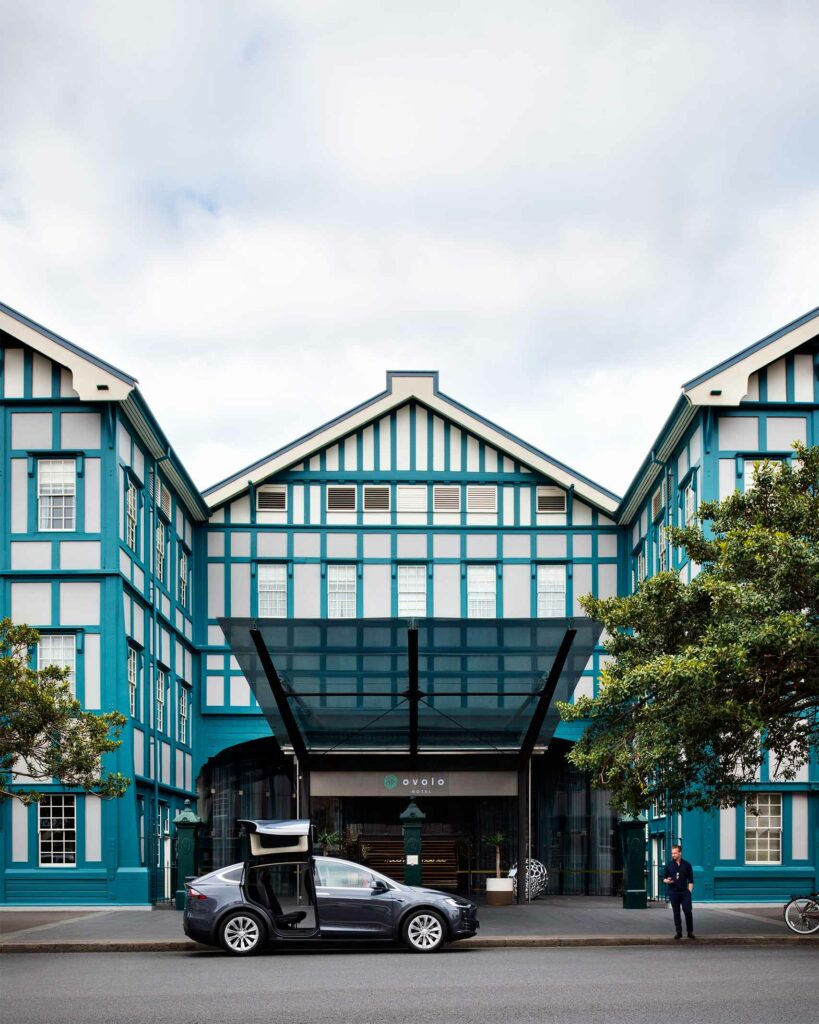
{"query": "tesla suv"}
(284, 894)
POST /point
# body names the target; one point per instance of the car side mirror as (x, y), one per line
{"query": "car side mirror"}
(377, 886)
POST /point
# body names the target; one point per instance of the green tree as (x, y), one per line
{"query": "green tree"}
(44, 733)
(707, 676)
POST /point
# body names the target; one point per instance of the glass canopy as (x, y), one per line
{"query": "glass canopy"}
(371, 685)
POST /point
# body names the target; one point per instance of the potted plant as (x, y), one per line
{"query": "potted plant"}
(498, 890)
(328, 841)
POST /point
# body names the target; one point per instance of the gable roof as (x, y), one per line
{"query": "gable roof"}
(422, 386)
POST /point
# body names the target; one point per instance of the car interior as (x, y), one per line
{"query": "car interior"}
(287, 892)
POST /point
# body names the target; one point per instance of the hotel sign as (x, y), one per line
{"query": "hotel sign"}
(413, 783)
(416, 784)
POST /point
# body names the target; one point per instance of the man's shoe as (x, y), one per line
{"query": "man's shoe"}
(692, 936)
(678, 937)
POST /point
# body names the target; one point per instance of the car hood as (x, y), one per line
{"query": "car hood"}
(437, 892)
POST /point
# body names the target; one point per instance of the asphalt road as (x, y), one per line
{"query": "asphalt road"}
(612, 985)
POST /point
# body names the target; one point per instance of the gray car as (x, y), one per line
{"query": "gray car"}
(284, 894)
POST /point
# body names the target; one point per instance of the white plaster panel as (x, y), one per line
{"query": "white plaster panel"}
(368, 448)
(472, 454)
(582, 577)
(342, 545)
(216, 637)
(446, 545)
(803, 378)
(454, 448)
(315, 503)
(727, 833)
(217, 515)
(31, 603)
(139, 624)
(738, 433)
(331, 458)
(384, 435)
(31, 430)
(216, 543)
(517, 591)
(240, 589)
(79, 604)
(607, 545)
(139, 752)
(727, 478)
(481, 545)
(437, 443)
(799, 824)
(165, 752)
(606, 580)
(682, 463)
(377, 591)
(19, 820)
(305, 545)
(447, 590)
(525, 501)
(784, 430)
(508, 505)
(377, 545)
(582, 545)
(240, 510)
(215, 691)
(551, 545)
(80, 554)
(307, 590)
(421, 436)
(239, 692)
(30, 554)
(412, 545)
(777, 381)
(139, 579)
(123, 444)
(644, 522)
(490, 459)
(189, 770)
(517, 545)
(584, 688)
(80, 430)
(92, 496)
(351, 452)
(581, 514)
(297, 507)
(695, 447)
(240, 545)
(93, 693)
(139, 463)
(164, 646)
(402, 438)
(13, 373)
(216, 590)
(41, 380)
(19, 496)
(93, 828)
(179, 777)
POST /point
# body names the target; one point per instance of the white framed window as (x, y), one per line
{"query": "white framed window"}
(57, 494)
(131, 515)
(132, 681)
(272, 498)
(642, 564)
(159, 547)
(551, 591)
(182, 711)
(763, 828)
(446, 498)
(690, 505)
(411, 498)
(551, 501)
(341, 499)
(376, 498)
(57, 830)
(341, 583)
(481, 591)
(481, 498)
(161, 686)
(272, 591)
(59, 649)
(662, 548)
(412, 591)
(183, 578)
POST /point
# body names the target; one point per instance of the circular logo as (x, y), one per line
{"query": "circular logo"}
(390, 782)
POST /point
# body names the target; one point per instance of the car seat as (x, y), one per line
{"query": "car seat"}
(280, 919)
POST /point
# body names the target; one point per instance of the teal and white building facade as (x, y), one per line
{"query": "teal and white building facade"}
(410, 506)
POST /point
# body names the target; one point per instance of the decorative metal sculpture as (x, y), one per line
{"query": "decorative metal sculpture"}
(537, 879)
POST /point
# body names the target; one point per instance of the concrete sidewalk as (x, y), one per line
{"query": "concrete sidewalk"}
(549, 921)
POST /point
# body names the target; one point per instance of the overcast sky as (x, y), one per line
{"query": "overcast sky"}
(257, 208)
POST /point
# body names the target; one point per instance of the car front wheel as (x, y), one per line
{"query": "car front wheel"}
(241, 934)
(424, 931)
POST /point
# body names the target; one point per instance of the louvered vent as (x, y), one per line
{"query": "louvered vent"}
(446, 498)
(551, 501)
(341, 499)
(376, 499)
(271, 499)
(656, 503)
(162, 496)
(411, 499)
(481, 499)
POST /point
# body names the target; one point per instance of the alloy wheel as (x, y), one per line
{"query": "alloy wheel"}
(425, 932)
(241, 934)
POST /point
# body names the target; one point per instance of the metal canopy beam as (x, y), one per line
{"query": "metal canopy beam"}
(549, 686)
(413, 693)
(280, 696)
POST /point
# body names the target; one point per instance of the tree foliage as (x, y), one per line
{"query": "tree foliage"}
(707, 676)
(45, 735)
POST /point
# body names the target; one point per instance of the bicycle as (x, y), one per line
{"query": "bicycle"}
(802, 914)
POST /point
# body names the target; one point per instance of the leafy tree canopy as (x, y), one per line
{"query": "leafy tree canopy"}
(707, 676)
(45, 735)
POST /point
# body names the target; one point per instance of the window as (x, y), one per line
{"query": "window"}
(551, 591)
(161, 684)
(57, 830)
(481, 499)
(160, 552)
(690, 505)
(412, 590)
(341, 591)
(182, 708)
(271, 499)
(446, 498)
(60, 650)
(57, 494)
(341, 499)
(642, 564)
(272, 591)
(131, 515)
(341, 875)
(183, 578)
(132, 681)
(411, 498)
(481, 591)
(763, 828)
(662, 549)
(551, 501)
(376, 498)
(162, 497)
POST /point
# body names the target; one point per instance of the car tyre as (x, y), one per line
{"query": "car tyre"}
(424, 931)
(241, 933)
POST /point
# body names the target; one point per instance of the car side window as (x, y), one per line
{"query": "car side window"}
(343, 876)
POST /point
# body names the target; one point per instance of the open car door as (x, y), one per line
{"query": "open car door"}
(278, 876)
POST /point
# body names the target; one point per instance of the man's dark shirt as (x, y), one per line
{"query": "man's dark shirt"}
(681, 874)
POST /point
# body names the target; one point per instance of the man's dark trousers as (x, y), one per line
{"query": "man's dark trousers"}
(682, 899)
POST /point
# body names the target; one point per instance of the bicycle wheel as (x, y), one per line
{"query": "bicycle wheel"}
(796, 915)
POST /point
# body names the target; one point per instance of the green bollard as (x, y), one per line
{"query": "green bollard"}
(412, 820)
(187, 825)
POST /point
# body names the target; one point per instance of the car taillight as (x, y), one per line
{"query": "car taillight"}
(194, 894)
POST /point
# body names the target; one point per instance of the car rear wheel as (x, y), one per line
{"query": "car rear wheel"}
(241, 933)
(424, 931)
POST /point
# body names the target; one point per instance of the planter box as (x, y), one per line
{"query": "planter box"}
(499, 892)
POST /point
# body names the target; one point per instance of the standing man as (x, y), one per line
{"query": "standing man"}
(678, 875)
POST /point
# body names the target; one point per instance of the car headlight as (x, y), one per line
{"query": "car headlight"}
(457, 903)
